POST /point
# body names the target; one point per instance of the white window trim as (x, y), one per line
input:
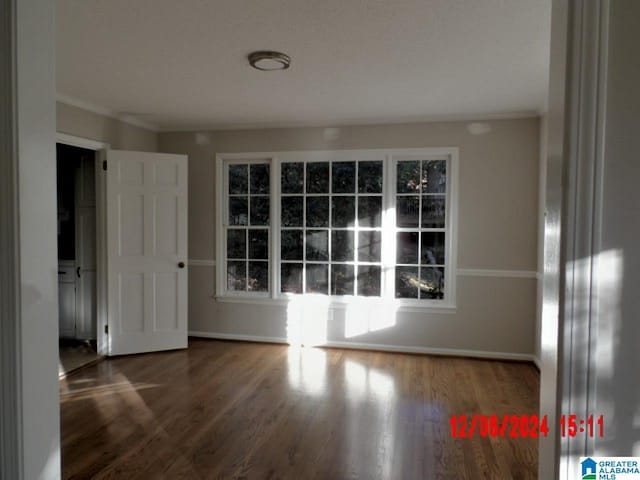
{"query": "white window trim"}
(390, 158)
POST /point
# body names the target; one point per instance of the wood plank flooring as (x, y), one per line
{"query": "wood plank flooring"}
(232, 410)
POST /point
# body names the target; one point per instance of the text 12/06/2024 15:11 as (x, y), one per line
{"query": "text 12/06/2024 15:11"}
(520, 426)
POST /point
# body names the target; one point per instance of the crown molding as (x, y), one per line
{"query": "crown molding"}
(107, 112)
(133, 120)
(486, 117)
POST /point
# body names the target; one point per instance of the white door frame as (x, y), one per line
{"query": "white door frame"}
(101, 251)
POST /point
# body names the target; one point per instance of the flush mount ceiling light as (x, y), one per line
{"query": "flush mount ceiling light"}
(266, 60)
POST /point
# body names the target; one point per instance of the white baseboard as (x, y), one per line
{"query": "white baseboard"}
(521, 357)
(537, 362)
(233, 336)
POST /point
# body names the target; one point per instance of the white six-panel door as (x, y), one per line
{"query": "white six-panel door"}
(146, 251)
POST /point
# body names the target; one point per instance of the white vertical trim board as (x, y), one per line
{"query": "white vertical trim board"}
(102, 274)
(10, 352)
(582, 222)
(29, 395)
(219, 220)
(451, 352)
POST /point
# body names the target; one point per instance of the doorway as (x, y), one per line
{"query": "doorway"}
(77, 262)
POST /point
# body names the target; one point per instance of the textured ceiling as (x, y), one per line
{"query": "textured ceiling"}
(182, 64)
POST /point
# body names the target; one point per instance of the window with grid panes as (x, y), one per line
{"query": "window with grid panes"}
(359, 223)
(420, 199)
(247, 227)
(331, 227)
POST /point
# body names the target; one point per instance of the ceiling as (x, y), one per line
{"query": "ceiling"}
(181, 65)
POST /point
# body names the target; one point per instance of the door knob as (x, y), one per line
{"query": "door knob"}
(181, 265)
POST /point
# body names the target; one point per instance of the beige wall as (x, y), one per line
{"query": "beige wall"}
(498, 211)
(118, 134)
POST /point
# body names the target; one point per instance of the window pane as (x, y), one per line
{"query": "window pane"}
(258, 244)
(432, 248)
(238, 211)
(434, 176)
(407, 247)
(292, 212)
(291, 277)
(433, 212)
(292, 245)
(318, 245)
(432, 283)
(342, 246)
(292, 177)
(236, 244)
(408, 177)
(369, 246)
(317, 278)
(237, 179)
(407, 282)
(317, 211)
(343, 177)
(318, 177)
(369, 280)
(342, 279)
(370, 211)
(343, 212)
(259, 176)
(407, 211)
(258, 277)
(370, 177)
(259, 210)
(237, 276)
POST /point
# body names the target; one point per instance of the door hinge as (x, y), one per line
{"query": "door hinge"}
(106, 329)
(104, 165)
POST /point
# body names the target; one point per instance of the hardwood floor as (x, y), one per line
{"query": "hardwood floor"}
(231, 410)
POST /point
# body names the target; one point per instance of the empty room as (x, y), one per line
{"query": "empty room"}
(330, 240)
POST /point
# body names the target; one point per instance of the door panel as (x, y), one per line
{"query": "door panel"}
(166, 304)
(166, 225)
(67, 300)
(147, 240)
(131, 225)
(86, 272)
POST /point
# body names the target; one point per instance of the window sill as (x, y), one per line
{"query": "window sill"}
(402, 306)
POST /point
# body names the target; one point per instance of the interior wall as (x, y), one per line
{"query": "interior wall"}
(497, 234)
(94, 126)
